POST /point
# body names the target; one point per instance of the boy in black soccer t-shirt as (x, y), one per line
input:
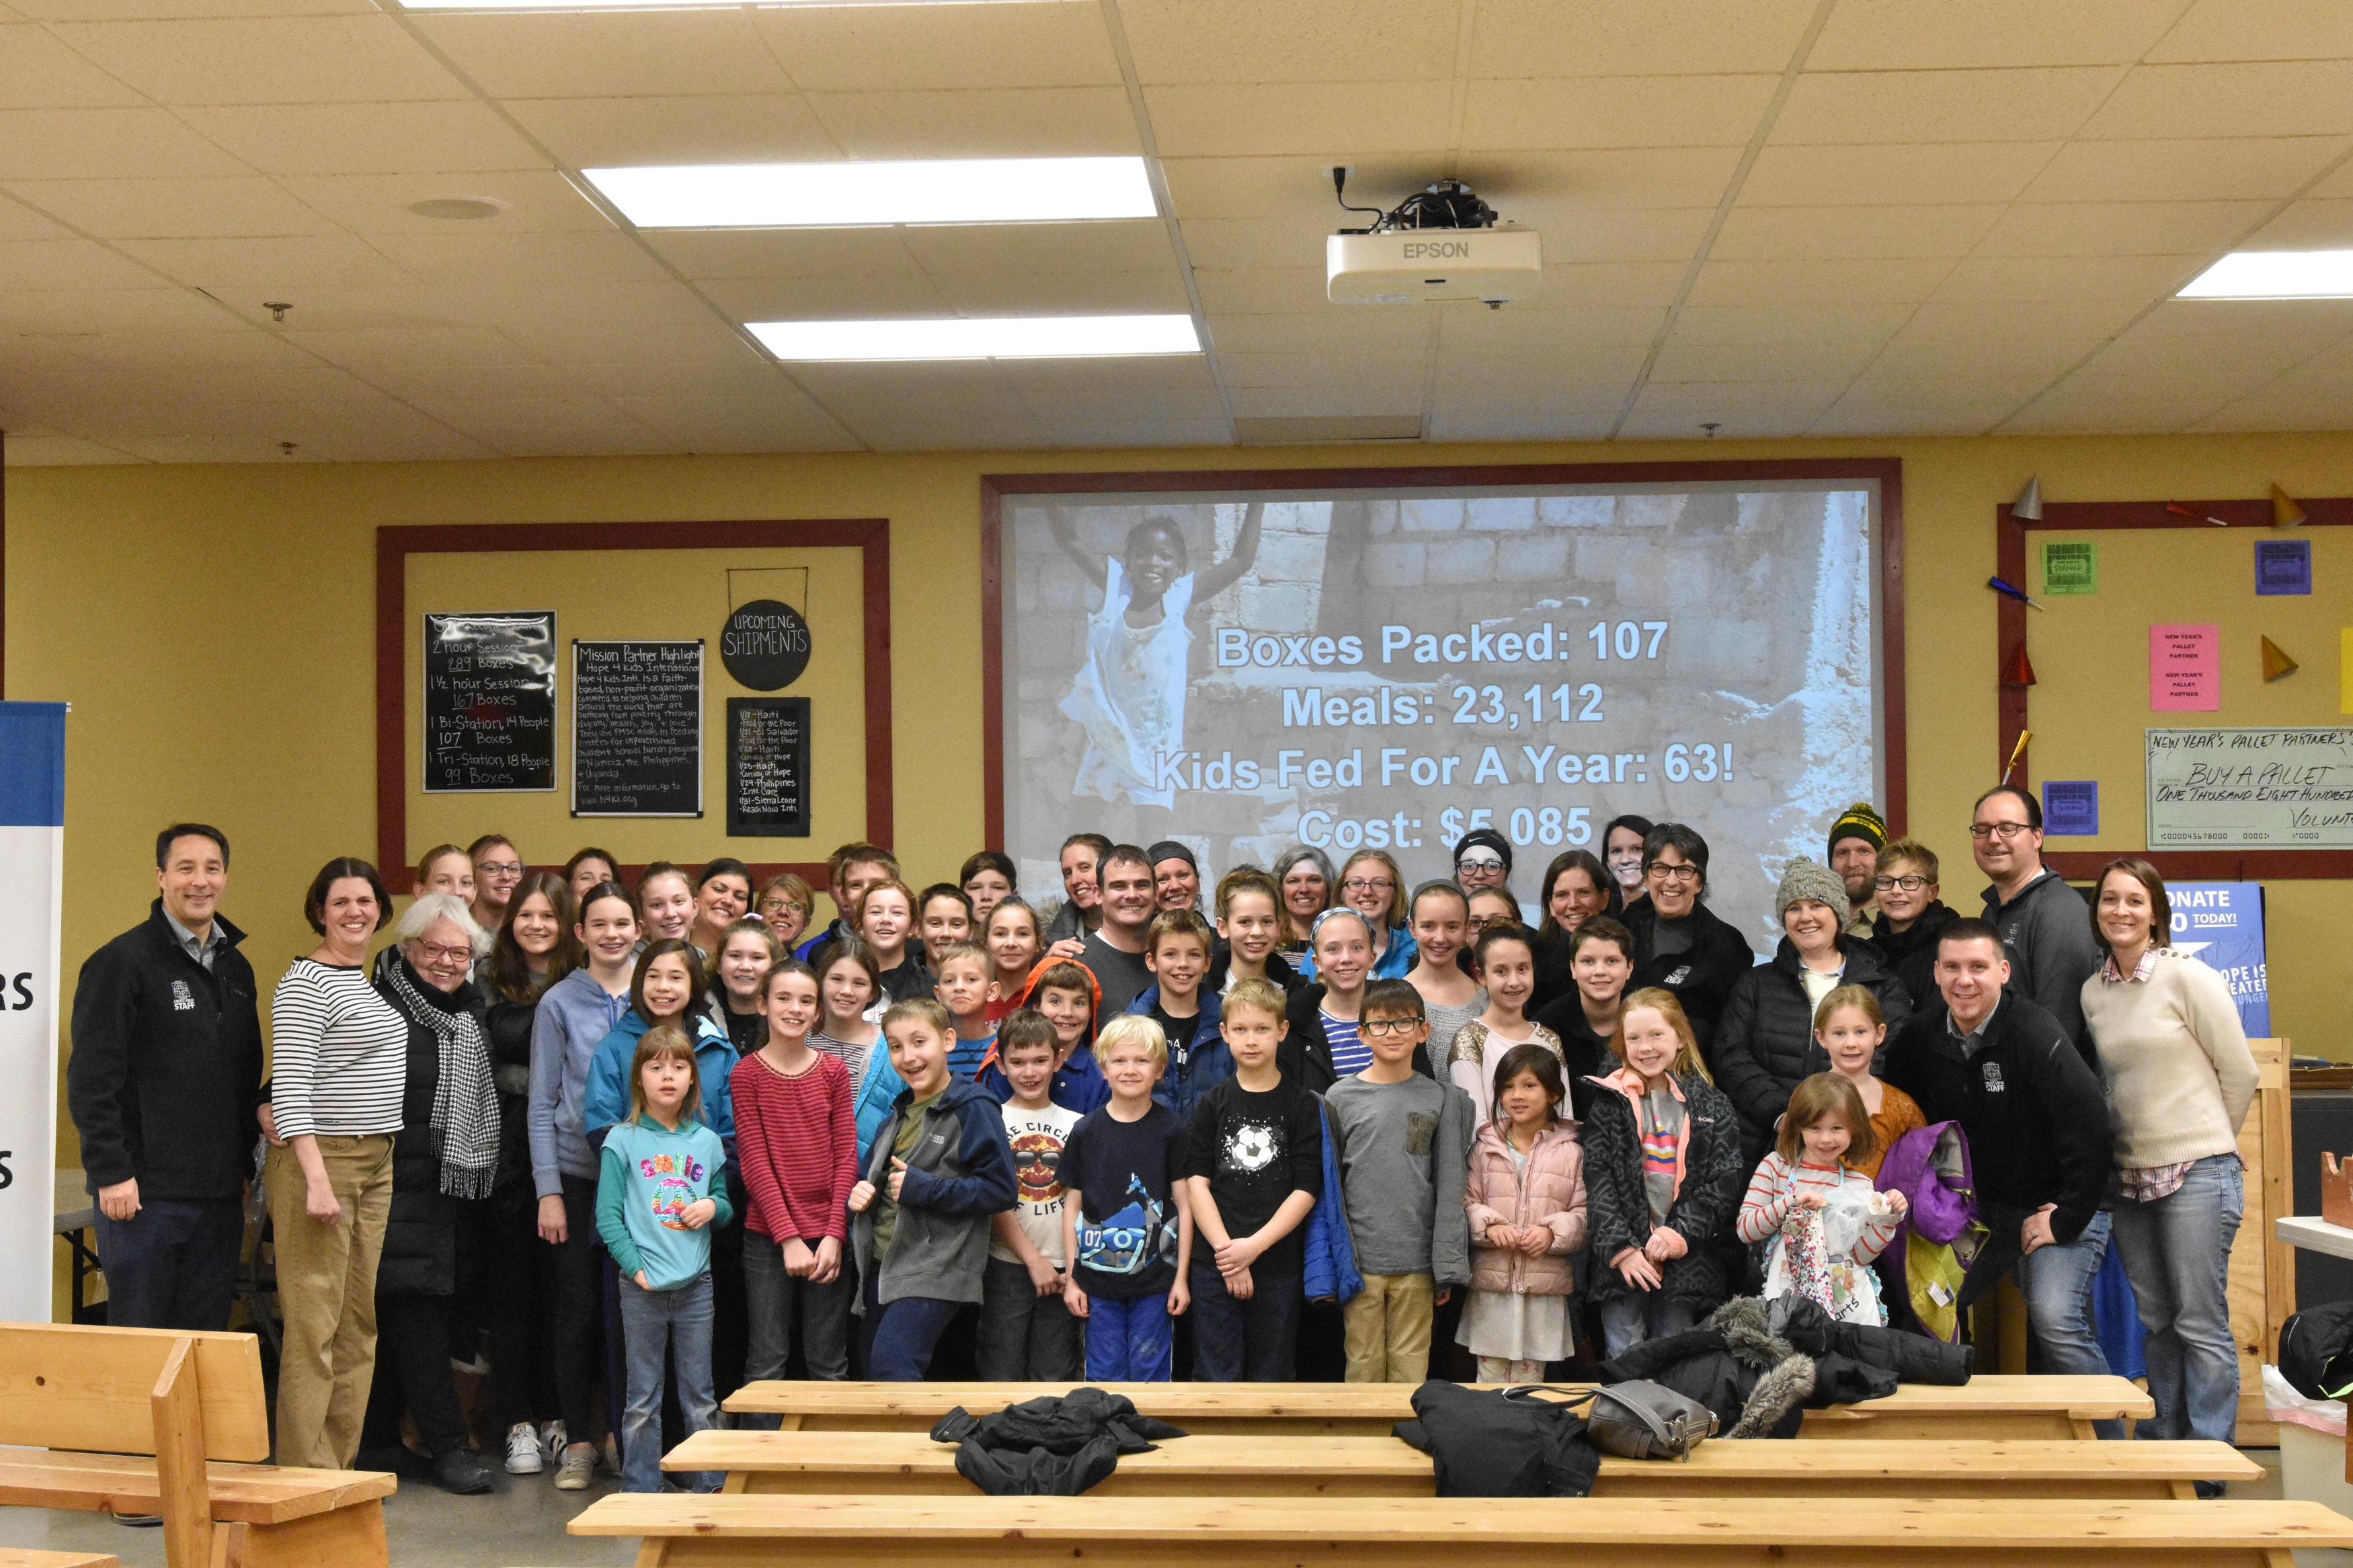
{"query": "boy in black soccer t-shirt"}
(1124, 1203)
(1255, 1169)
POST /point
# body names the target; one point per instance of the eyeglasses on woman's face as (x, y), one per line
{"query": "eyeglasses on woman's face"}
(1661, 871)
(1369, 884)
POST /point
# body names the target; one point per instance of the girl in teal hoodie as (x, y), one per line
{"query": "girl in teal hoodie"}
(658, 1195)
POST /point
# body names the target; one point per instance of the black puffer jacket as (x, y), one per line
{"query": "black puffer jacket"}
(1912, 952)
(506, 1029)
(420, 1237)
(1701, 974)
(1618, 1209)
(1765, 1042)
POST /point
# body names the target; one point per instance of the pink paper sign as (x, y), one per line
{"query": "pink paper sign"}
(2185, 669)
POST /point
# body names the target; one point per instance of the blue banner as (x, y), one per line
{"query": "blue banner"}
(2220, 924)
(32, 880)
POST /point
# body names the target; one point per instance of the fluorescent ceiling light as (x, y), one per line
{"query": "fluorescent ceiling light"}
(849, 195)
(997, 337)
(2276, 275)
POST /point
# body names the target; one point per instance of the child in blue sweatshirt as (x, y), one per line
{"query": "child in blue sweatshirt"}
(657, 1197)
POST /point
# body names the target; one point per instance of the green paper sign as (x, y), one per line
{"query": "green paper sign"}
(2070, 566)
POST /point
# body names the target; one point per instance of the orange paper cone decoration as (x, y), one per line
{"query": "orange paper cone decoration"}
(2286, 513)
(2276, 663)
(2020, 670)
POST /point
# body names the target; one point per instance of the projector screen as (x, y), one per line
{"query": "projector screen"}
(1390, 669)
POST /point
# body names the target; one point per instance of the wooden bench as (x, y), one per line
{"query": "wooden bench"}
(22, 1557)
(908, 1464)
(683, 1531)
(157, 1422)
(1986, 1408)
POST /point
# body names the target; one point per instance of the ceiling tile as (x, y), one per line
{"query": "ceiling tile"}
(1122, 375)
(1802, 234)
(37, 71)
(2274, 30)
(1875, 282)
(1106, 433)
(1006, 249)
(1977, 365)
(476, 257)
(1589, 111)
(622, 132)
(1361, 371)
(1963, 173)
(2237, 168)
(1303, 41)
(1251, 290)
(608, 54)
(1333, 329)
(2271, 98)
(1900, 34)
(1616, 285)
(1653, 420)
(369, 350)
(786, 252)
(174, 209)
(534, 428)
(1338, 119)
(783, 420)
(1223, 244)
(829, 298)
(178, 10)
(2068, 278)
(2308, 224)
(1885, 107)
(537, 201)
(851, 49)
(2121, 228)
(987, 122)
(1603, 37)
(106, 143)
(1762, 362)
(1988, 392)
(1845, 418)
(1336, 396)
(285, 265)
(1591, 373)
(68, 263)
(1157, 292)
(279, 59)
(367, 137)
(748, 373)
(1696, 323)
(37, 449)
(1972, 318)
(1522, 422)
(19, 221)
(118, 314)
(1524, 328)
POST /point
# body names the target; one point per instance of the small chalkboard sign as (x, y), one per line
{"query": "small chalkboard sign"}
(489, 702)
(637, 728)
(767, 767)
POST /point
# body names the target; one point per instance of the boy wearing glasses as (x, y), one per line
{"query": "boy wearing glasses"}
(1910, 915)
(1403, 1140)
(2046, 928)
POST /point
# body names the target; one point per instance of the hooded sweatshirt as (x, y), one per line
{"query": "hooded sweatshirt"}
(959, 1177)
(576, 1013)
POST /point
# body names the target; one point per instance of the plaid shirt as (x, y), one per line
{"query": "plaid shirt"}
(2145, 1183)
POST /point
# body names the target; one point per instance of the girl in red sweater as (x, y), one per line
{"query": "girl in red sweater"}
(797, 1142)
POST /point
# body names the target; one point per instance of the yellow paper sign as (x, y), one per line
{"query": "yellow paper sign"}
(2345, 670)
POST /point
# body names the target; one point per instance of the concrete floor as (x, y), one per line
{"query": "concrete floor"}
(520, 1525)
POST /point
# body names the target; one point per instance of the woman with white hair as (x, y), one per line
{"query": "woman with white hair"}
(339, 1055)
(444, 1161)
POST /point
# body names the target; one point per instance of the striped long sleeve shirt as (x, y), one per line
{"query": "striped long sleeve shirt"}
(797, 1143)
(338, 1054)
(1774, 1192)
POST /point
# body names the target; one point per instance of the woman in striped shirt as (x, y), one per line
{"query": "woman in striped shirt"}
(339, 1063)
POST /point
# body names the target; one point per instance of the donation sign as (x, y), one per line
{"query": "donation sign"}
(2251, 789)
(1388, 670)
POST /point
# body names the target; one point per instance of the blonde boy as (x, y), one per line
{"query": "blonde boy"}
(1123, 1177)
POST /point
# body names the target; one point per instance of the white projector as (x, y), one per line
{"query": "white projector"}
(1412, 265)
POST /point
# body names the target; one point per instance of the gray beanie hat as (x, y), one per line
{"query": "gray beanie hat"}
(1808, 878)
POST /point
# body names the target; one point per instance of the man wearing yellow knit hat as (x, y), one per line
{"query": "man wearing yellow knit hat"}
(1856, 839)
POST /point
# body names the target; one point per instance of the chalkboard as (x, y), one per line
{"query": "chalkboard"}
(637, 728)
(489, 702)
(767, 767)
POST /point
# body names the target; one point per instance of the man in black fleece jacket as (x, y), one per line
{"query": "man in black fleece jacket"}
(163, 1085)
(2037, 1122)
(2045, 926)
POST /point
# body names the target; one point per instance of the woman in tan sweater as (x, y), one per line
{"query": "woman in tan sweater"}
(2179, 1080)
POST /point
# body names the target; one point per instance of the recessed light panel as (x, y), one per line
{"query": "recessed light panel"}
(852, 195)
(997, 337)
(2276, 275)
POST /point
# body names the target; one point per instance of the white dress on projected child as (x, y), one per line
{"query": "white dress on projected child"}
(1129, 696)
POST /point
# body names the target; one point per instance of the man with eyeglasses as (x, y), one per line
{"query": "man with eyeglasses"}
(1911, 913)
(498, 872)
(1857, 841)
(2046, 930)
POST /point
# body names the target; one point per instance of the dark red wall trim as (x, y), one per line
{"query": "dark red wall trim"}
(393, 546)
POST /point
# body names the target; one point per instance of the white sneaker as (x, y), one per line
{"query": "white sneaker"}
(522, 1450)
(553, 1441)
(579, 1466)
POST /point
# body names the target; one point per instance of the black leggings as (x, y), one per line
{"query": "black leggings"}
(412, 1373)
(517, 1283)
(576, 1310)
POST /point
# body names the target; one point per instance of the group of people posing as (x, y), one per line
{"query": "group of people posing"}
(670, 1137)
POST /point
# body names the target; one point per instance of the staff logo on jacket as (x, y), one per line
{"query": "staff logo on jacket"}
(1680, 974)
(182, 999)
(1993, 1079)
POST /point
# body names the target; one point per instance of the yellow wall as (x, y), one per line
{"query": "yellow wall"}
(214, 629)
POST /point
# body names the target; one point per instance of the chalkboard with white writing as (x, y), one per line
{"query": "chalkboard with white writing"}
(767, 767)
(489, 702)
(637, 728)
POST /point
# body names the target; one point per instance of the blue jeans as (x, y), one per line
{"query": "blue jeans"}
(655, 1324)
(172, 1264)
(1130, 1341)
(901, 1337)
(1630, 1317)
(1252, 1341)
(2056, 1281)
(2177, 1252)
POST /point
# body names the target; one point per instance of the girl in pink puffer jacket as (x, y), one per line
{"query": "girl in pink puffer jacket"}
(1525, 1195)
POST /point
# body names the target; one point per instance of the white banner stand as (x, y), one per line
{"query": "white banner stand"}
(32, 901)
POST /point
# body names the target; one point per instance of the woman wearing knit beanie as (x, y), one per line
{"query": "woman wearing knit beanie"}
(1765, 1042)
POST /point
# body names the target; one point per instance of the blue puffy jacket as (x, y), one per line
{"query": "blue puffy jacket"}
(1331, 1263)
(1210, 1063)
(606, 1100)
